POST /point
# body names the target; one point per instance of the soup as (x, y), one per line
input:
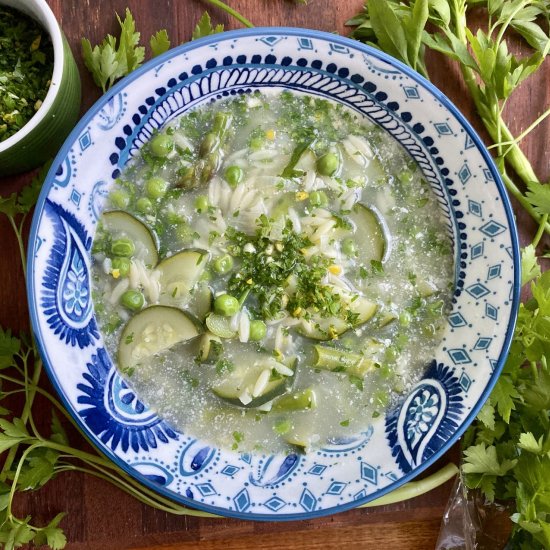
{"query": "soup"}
(272, 272)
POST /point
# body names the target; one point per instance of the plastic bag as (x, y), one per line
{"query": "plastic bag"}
(471, 522)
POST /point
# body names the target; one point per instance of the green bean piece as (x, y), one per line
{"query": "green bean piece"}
(328, 164)
(122, 265)
(123, 247)
(156, 187)
(349, 248)
(209, 144)
(234, 175)
(210, 148)
(301, 401)
(144, 205)
(201, 204)
(258, 330)
(223, 264)
(338, 360)
(226, 305)
(133, 300)
(186, 175)
(119, 198)
(162, 145)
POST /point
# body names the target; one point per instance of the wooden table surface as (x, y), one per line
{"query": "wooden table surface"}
(101, 517)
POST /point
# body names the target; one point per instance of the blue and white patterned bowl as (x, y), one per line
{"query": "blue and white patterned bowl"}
(345, 473)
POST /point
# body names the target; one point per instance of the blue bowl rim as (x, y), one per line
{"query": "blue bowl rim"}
(344, 41)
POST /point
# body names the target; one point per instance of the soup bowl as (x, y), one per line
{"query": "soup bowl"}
(344, 472)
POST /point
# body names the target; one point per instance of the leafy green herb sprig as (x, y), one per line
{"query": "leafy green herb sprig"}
(113, 59)
(507, 449)
(33, 458)
(490, 71)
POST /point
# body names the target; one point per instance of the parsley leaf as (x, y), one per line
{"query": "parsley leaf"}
(530, 269)
(539, 196)
(160, 42)
(108, 62)
(9, 348)
(204, 27)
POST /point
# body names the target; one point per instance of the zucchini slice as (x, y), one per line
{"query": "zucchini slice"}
(201, 301)
(179, 274)
(370, 234)
(121, 224)
(151, 331)
(252, 384)
(210, 348)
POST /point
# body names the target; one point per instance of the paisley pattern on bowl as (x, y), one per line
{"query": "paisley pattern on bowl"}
(345, 472)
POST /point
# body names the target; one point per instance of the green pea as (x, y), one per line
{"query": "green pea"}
(123, 247)
(156, 187)
(162, 145)
(318, 198)
(119, 198)
(144, 205)
(405, 318)
(405, 176)
(184, 233)
(328, 164)
(223, 264)
(258, 330)
(132, 299)
(122, 264)
(234, 175)
(205, 276)
(348, 247)
(256, 143)
(227, 305)
(201, 204)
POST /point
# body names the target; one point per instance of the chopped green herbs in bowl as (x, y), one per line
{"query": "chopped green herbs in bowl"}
(39, 85)
(26, 67)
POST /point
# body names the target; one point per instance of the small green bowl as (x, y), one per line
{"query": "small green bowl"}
(43, 135)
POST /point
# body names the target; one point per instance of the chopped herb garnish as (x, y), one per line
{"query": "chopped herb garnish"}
(26, 67)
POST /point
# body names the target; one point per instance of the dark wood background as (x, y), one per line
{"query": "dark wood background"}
(101, 517)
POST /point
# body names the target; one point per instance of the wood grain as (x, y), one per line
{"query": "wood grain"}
(99, 516)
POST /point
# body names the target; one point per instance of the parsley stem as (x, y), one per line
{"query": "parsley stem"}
(534, 370)
(13, 487)
(168, 506)
(540, 231)
(223, 6)
(19, 237)
(521, 136)
(42, 392)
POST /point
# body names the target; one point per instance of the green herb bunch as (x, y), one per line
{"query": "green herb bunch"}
(507, 449)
